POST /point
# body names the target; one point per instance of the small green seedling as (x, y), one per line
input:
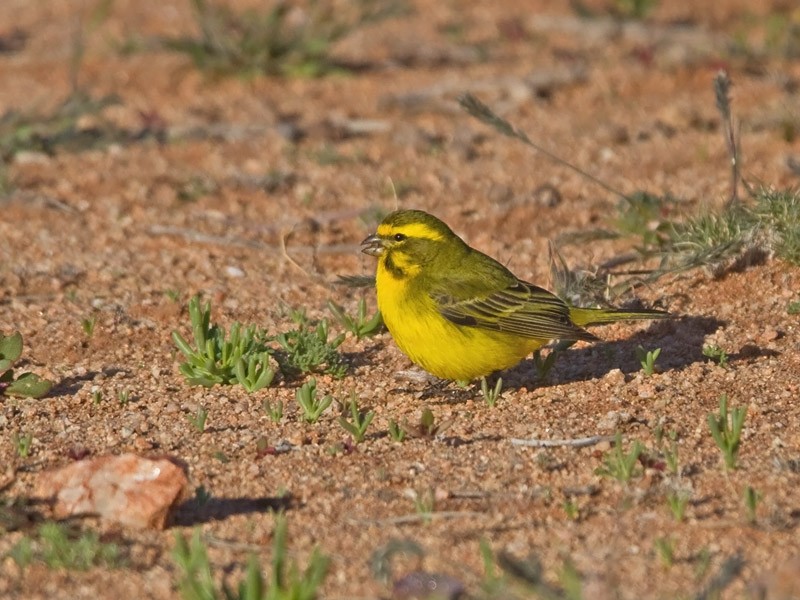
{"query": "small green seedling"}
(572, 509)
(726, 429)
(97, 396)
(307, 349)
(201, 495)
(751, 501)
(215, 357)
(87, 325)
(665, 550)
(62, 546)
(360, 326)
(544, 365)
(198, 420)
(124, 396)
(716, 353)
(26, 384)
(312, 406)
(647, 358)
(424, 504)
(619, 464)
(287, 581)
(426, 428)
(274, 411)
(22, 443)
(491, 395)
(253, 372)
(793, 308)
(360, 421)
(677, 500)
(396, 432)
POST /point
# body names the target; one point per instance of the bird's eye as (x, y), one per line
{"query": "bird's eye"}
(399, 237)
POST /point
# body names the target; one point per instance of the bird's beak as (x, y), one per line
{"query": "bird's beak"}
(373, 245)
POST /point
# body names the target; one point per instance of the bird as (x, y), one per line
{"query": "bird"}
(460, 314)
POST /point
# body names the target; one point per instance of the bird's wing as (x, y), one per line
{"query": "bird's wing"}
(519, 308)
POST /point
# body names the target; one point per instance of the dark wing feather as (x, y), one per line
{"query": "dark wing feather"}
(520, 309)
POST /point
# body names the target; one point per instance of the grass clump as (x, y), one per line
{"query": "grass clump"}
(283, 39)
(241, 356)
(60, 546)
(25, 384)
(309, 348)
(286, 582)
(726, 429)
(359, 420)
(618, 464)
(312, 406)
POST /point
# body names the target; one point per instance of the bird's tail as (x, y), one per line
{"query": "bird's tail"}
(583, 317)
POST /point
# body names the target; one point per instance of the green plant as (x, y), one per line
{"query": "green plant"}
(424, 503)
(665, 549)
(427, 427)
(61, 546)
(619, 464)
(396, 432)
(97, 396)
(242, 356)
(124, 397)
(87, 325)
(647, 358)
(677, 501)
(274, 411)
(278, 41)
(22, 443)
(360, 421)
(671, 453)
(793, 308)
(751, 501)
(544, 365)
(491, 395)
(198, 420)
(726, 429)
(201, 495)
(312, 406)
(26, 384)
(286, 582)
(360, 326)
(253, 372)
(307, 349)
(572, 509)
(716, 353)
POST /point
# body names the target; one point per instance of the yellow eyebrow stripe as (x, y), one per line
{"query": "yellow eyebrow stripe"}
(412, 230)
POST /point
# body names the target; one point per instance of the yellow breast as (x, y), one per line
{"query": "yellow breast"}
(439, 346)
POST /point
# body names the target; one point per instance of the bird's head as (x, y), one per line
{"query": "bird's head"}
(408, 240)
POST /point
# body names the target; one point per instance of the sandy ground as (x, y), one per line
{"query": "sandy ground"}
(255, 193)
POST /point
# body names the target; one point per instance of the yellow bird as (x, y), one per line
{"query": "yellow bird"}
(458, 313)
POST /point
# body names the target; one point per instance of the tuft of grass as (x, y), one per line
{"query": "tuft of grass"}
(361, 325)
(25, 384)
(647, 358)
(87, 324)
(618, 464)
(360, 420)
(726, 429)
(198, 420)
(665, 548)
(61, 546)
(751, 501)
(396, 432)
(716, 353)
(22, 443)
(280, 40)
(491, 395)
(312, 406)
(308, 349)
(677, 500)
(217, 358)
(286, 582)
(793, 308)
(274, 411)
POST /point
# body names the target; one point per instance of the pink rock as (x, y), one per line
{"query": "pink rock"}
(128, 489)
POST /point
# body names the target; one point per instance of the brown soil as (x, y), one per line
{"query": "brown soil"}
(114, 233)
